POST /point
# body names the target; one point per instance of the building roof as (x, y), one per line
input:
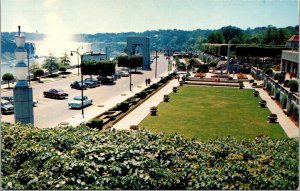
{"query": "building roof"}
(294, 38)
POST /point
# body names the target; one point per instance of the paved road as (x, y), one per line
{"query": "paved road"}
(50, 112)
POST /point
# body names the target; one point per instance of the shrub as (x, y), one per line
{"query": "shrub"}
(95, 123)
(277, 94)
(290, 109)
(251, 81)
(283, 101)
(62, 69)
(295, 114)
(203, 68)
(293, 84)
(142, 94)
(269, 87)
(268, 71)
(31, 160)
(280, 77)
(286, 83)
(123, 106)
(134, 127)
(154, 86)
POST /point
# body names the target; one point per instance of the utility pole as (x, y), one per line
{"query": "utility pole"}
(155, 63)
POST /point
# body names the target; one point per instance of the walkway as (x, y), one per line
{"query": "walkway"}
(137, 115)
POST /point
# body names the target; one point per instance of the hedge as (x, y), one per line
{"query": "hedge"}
(83, 158)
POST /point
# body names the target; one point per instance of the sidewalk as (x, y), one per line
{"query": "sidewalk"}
(137, 115)
(94, 111)
(288, 126)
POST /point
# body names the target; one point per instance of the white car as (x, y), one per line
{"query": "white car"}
(76, 103)
(124, 73)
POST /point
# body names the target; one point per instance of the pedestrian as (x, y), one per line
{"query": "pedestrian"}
(146, 81)
(149, 81)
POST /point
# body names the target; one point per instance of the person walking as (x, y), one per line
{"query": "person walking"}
(146, 81)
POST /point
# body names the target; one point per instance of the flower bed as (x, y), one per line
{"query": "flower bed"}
(200, 74)
(221, 76)
(241, 76)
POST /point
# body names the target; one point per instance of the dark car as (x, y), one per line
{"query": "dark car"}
(106, 80)
(78, 85)
(92, 81)
(6, 107)
(55, 93)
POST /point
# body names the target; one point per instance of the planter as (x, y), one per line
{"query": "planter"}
(181, 83)
(262, 103)
(166, 98)
(174, 89)
(272, 118)
(255, 93)
(153, 110)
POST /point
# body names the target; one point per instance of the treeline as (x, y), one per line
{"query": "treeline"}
(269, 35)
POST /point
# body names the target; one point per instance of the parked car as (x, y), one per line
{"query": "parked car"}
(124, 73)
(78, 85)
(106, 80)
(92, 80)
(12, 101)
(118, 74)
(6, 107)
(55, 93)
(76, 103)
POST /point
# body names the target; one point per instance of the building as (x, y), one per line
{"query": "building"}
(293, 42)
(290, 62)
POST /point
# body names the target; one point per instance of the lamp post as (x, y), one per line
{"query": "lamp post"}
(155, 63)
(23, 107)
(78, 58)
(81, 56)
(28, 65)
(228, 56)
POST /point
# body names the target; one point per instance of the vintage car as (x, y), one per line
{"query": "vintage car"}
(78, 102)
(6, 107)
(55, 93)
(78, 85)
(11, 100)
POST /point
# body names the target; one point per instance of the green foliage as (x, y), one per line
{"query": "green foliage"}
(268, 71)
(293, 84)
(283, 101)
(269, 88)
(123, 106)
(51, 63)
(7, 77)
(280, 77)
(70, 158)
(94, 67)
(95, 123)
(203, 68)
(215, 37)
(64, 61)
(213, 64)
(154, 86)
(62, 69)
(38, 73)
(259, 51)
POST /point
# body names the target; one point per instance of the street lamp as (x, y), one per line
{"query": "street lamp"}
(81, 56)
(155, 63)
(78, 58)
(28, 65)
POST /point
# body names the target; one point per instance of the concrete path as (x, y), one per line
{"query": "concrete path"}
(288, 126)
(137, 115)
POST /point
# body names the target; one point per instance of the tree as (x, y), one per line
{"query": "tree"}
(293, 84)
(215, 37)
(8, 77)
(123, 61)
(65, 60)
(38, 73)
(213, 64)
(89, 67)
(51, 63)
(136, 61)
(106, 67)
(230, 32)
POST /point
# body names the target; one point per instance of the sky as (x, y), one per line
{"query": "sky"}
(100, 16)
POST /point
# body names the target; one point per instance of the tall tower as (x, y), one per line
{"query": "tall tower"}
(22, 91)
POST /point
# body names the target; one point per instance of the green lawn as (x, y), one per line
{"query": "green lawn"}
(210, 112)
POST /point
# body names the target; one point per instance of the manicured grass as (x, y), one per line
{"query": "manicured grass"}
(210, 112)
